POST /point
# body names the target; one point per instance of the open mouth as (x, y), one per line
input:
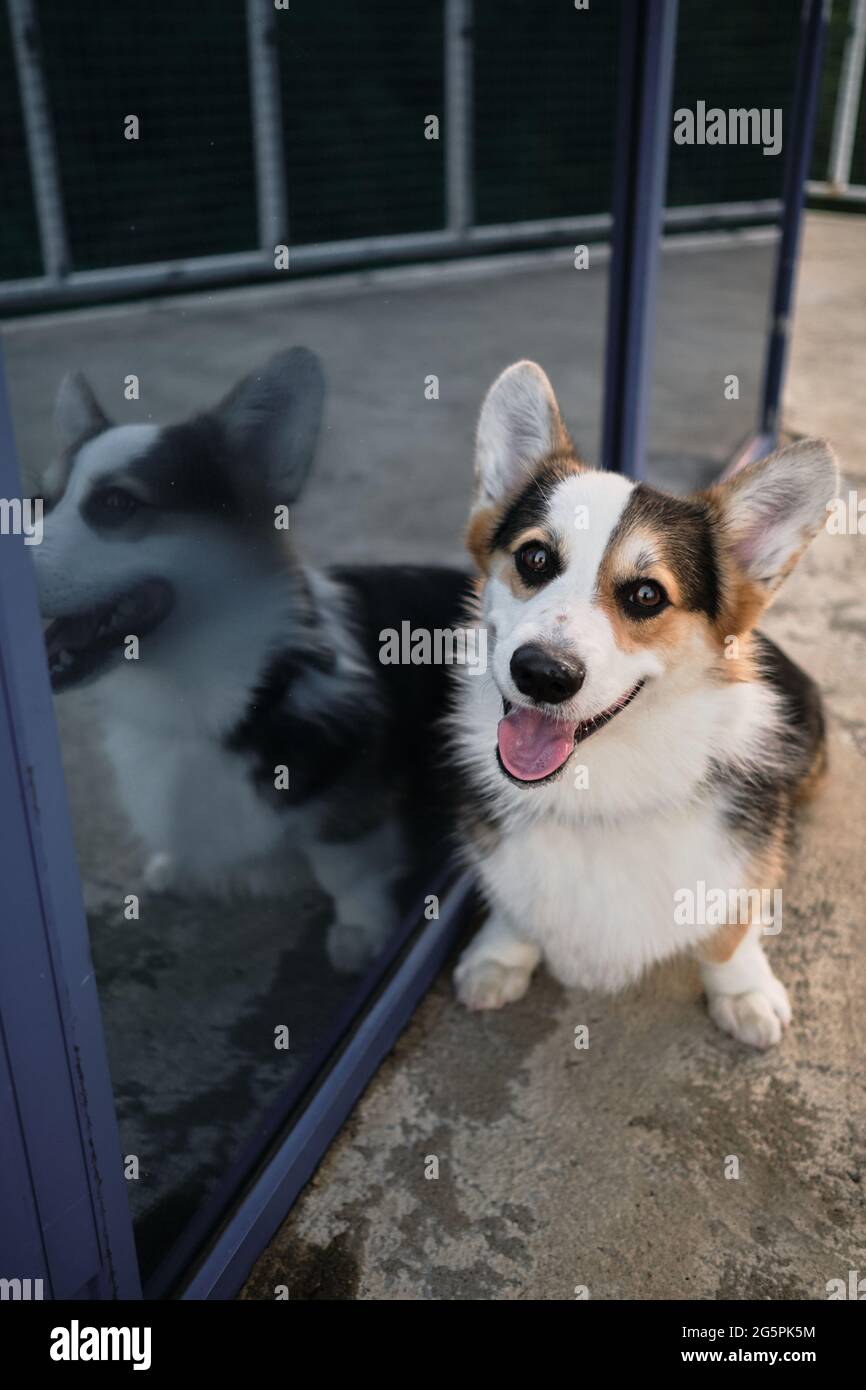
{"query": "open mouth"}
(533, 747)
(81, 645)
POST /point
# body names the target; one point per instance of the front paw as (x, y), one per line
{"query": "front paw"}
(757, 1018)
(160, 873)
(488, 984)
(350, 948)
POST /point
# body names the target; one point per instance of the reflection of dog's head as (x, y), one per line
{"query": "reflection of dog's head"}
(600, 594)
(152, 526)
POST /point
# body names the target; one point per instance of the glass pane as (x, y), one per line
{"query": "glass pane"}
(237, 534)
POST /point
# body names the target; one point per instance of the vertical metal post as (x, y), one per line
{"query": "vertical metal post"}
(643, 138)
(798, 151)
(267, 121)
(848, 99)
(41, 147)
(460, 209)
(71, 1222)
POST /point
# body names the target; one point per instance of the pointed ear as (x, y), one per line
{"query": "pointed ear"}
(520, 426)
(78, 416)
(773, 509)
(273, 416)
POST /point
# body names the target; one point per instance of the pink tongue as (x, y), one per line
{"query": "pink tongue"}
(532, 745)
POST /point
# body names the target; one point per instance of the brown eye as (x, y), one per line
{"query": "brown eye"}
(533, 560)
(110, 506)
(647, 597)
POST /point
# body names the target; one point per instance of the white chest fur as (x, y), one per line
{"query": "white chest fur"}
(187, 796)
(600, 900)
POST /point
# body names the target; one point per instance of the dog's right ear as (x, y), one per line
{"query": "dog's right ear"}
(520, 426)
(78, 416)
(273, 417)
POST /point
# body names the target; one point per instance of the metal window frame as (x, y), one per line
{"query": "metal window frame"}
(57, 1115)
(65, 1209)
(644, 92)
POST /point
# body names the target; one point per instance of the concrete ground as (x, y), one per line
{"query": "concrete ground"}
(605, 1168)
(557, 1168)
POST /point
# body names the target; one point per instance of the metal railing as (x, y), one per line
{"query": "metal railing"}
(61, 283)
(848, 96)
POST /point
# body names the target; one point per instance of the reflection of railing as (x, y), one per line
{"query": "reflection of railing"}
(60, 282)
(848, 94)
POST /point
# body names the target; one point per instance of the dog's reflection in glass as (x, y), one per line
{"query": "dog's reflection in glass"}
(241, 702)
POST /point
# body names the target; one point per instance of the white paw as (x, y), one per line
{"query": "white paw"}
(757, 1018)
(487, 984)
(350, 949)
(160, 873)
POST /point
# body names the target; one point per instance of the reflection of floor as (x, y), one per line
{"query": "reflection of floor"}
(396, 464)
(191, 993)
(191, 996)
(605, 1168)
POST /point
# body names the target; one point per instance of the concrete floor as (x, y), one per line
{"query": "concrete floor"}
(606, 1168)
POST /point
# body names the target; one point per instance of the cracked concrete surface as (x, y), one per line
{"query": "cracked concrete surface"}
(605, 1168)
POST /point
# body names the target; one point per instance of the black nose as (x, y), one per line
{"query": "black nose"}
(544, 677)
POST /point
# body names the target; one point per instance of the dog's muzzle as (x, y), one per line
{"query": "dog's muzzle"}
(80, 646)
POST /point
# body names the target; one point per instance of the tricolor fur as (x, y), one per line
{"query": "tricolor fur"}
(249, 661)
(633, 736)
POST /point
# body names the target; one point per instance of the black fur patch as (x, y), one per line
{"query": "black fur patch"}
(530, 507)
(802, 701)
(757, 805)
(371, 752)
(753, 805)
(686, 533)
(190, 468)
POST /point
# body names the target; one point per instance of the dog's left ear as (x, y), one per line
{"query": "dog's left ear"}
(272, 419)
(773, 509)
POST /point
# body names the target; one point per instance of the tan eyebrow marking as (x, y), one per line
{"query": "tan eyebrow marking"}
(532, 533)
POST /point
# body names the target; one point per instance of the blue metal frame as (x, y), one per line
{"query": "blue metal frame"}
(644, 93)
(65, 1212)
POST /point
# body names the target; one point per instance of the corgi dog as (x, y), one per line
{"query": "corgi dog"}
(635, 744)
(238, 691)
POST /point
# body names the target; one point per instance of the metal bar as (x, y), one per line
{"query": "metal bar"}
(227, 1264)
(41, 147)
(851, 193)
(813, 33)
(460, 210)
(647, 45)
(848, 98)
(167, 276)
(62, 1102)
(267, 122)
